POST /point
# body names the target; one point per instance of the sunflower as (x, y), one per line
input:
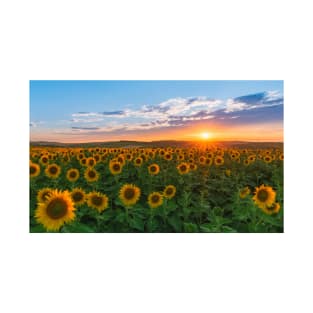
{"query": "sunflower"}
(53, 170)
(44, 160)
(168, 156)
(91, 175)
(208, 161)
(275, 208)
(115, 168)
(268, 159)
(65, 159)
(244, 192)
(129, 194)
(219, 160)
(162, 152)
(251, 158)
(56, 210)
(91, 162)
(180, 157)
(151, 154)
(83, 161)
(34, 169)
(80, 156)
(72, 174)
(264, 196)
(43, 194)
(154, 169)
(129, 156)
(202, 159)
(155, 199)
(138, 161)
(246, 162)
(281, 157)
(183, 168)
(78, 196)
(169, 191)
(97, 200)
(121, 159)
(193, 167)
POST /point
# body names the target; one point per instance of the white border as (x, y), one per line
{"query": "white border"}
(155, 40)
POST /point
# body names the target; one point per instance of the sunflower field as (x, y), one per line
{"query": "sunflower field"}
(124, 190)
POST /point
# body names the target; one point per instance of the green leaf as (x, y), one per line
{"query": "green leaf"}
(37, 229)
(207, 228)
(175, 223)
(79, 228)
(137, 224)
(190, 228)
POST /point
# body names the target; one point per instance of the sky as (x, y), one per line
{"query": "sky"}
(91, 111)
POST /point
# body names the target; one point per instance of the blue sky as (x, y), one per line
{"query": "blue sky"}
(74, 111)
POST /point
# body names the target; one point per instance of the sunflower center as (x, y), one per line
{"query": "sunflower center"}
(96, 200)
(91, 162)
(155, 198)
(263, 195)
(44, 160)
(138, 161)
(183, 168)
(73, 174)
(116, 167)
(53, 170)
(92, 174)
(77, 196)
(57, 208)
(129, 193)
(169, 191)
(153, 169)
(32, 169)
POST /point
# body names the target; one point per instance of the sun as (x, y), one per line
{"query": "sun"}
(205, 135)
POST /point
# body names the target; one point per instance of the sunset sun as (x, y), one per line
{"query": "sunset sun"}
(205, 135)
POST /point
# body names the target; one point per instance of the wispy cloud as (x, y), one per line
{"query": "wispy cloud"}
(168, 109)
(177, 112)
(85, 128)
(36, 123)
(254, 101)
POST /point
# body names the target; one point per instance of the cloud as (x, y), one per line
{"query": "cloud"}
(164, 110)
(113, 113)
(35, 124)
(180, 111)
(254, 101)
(84, 114)
(85, 128)
(86, 120)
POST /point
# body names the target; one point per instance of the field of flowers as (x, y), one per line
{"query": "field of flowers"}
(198, 189)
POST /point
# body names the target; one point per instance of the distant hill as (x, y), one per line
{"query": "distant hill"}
(161, 143)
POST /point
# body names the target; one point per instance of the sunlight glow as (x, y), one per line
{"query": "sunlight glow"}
(205, 135)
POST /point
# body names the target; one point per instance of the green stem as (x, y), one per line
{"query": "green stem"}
(127, 220)
(150, 219)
